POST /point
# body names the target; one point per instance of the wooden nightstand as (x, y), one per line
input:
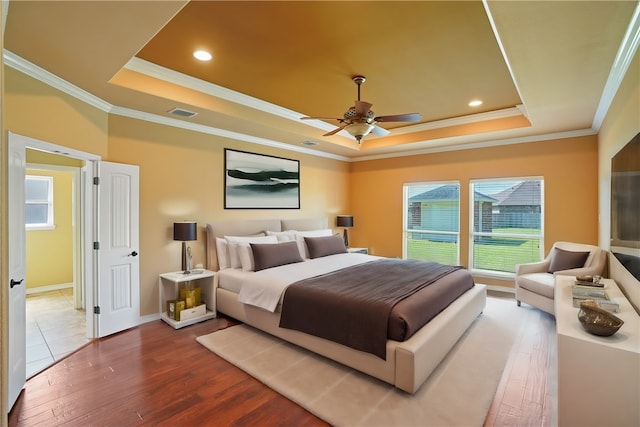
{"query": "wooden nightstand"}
(169, 284)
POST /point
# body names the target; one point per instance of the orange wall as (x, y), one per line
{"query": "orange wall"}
(181, 178)
(39, 111)
(568, 166)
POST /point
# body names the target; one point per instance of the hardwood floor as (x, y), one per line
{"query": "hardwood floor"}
(152, 375)
(155, 375)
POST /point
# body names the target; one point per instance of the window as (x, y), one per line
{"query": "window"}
(38, 197)
(432, 222)
(506, 224)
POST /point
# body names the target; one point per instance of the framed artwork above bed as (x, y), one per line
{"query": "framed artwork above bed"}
(258, 181)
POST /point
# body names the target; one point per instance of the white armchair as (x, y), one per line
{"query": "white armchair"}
(535, 282)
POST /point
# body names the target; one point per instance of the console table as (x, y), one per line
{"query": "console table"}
(598, 377)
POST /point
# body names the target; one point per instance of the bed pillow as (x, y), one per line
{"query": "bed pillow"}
(315, 233)
(283, 236)
(300, 236)
(567, 260)
(222, 250)
(246, 256)
(235, 242)
(273, 255)
(323, 246)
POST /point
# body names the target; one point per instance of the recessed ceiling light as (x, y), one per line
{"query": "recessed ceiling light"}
(309, 143)
(202, 55)
(475, 103)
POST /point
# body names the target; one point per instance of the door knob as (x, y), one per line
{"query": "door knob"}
(134, 253)
(14, 283)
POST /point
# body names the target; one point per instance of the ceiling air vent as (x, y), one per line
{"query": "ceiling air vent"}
(182, 113)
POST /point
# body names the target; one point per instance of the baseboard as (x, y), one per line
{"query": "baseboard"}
(49, 288)
(497, 288)
(149, 318)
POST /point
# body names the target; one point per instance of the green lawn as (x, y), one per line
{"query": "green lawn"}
(498, 254)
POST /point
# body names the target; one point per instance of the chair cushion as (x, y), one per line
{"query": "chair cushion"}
(566, 260)
(539, 283)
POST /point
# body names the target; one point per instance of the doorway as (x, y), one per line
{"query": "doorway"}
(111, 270)
(55, 306)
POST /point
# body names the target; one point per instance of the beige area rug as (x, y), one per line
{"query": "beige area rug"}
(458, 393)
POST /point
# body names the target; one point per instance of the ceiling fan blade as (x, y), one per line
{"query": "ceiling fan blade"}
(379, 131)
(362, 108)
(336, 130)
(321, 118)
(413, 117)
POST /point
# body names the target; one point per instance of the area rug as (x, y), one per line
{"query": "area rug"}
(458, 393)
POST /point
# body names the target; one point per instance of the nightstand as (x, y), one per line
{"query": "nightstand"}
(169, 284)
(358, 251)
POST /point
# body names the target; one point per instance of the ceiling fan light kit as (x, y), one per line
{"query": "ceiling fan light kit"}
(359, 130)
(359, 121)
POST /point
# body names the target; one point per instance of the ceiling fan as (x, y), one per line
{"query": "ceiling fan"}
(359, 120)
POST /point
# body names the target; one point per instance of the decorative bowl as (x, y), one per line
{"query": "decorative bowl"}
(598, 321)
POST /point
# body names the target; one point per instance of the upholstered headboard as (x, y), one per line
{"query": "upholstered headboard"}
(253, 227)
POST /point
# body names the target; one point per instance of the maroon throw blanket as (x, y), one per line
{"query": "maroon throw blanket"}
(351, 306)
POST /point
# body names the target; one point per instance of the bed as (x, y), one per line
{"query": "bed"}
(404, 364)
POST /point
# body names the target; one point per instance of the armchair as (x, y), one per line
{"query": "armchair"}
(535, 282)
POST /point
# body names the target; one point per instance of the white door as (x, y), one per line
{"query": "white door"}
(118, 292)
(17, 271)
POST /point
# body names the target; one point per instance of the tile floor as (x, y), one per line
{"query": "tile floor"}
(54, 328)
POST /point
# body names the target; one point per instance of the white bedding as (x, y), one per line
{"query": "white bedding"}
(265, 288)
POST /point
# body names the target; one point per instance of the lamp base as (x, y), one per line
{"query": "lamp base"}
(345, 236)
(185, 264)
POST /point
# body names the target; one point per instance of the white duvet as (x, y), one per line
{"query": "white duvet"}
(265, 288)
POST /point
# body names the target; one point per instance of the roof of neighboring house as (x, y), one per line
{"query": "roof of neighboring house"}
(524, 194)
(446, 193)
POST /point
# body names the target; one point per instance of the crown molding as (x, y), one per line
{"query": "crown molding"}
(480, 144)
(155, 118)
(20, 64)
(625, 55)
(462, 120)
(166, 74)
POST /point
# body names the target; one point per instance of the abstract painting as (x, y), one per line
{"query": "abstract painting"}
(257, 181)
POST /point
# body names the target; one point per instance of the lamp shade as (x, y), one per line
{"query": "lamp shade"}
(185, 231)
(344, 221)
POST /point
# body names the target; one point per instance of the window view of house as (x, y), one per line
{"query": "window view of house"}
(507, 223)
(432, 222)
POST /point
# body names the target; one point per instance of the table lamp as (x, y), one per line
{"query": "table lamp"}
(185, 231)
(345, 221)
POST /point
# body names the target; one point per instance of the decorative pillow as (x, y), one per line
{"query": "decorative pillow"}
(323, 246)
(222, 249)
(273, 255)
(566, 260)
(235, 242)
(300, 235)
